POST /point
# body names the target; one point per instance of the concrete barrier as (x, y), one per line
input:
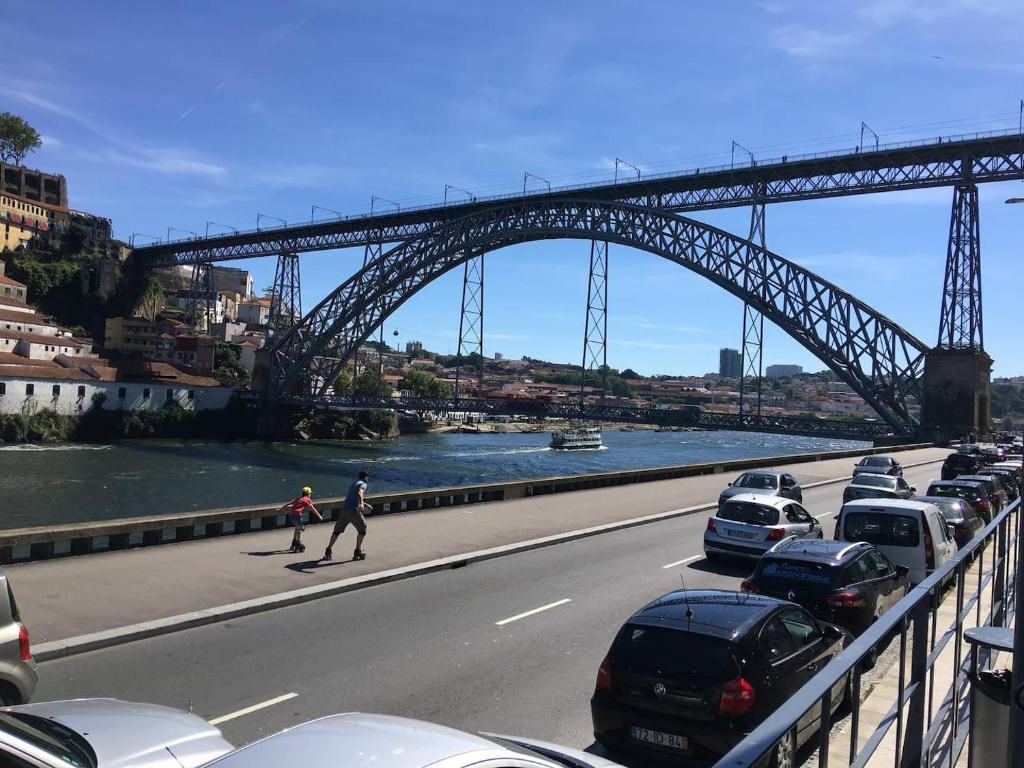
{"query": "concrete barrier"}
(19, 545)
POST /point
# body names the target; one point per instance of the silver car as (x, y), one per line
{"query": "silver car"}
(872, 486)
(106, 733)
(358, 739)
(763, 483)
(749, 524)
(17, 667)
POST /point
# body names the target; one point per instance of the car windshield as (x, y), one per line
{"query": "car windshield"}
(876, 481)
(966, 492)
(881, 529)
(874, 461)
(66, 746)
(673, 653)
(952, 509)
(794, 572)
(745, 512)
(757, 480)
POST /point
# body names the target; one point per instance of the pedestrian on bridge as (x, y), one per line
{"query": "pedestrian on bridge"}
(352, 511)
(295, 508)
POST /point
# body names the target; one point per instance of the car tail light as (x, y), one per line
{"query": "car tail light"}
(993, 497)
(711, 525)
(845, 600)
(929, 550)
(604, 676)
(748, 586)
(737, 698)
(776, 534)
(23, 644)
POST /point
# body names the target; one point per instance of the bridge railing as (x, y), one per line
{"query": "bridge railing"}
(607, 183)
(928, 723)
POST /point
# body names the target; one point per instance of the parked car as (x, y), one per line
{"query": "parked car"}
(1014, 465)
(358, 738)
(960, 464)
(961, 519)
(993, 488)
(763, 484)
(96, 733)
(972, 492)
(846, 584)
(910, 533)
(749, 524)
(869, 486)
(1008, 479)
(991, 454)
(17, 667)
(878, 465)
(972, 448)
(690, 674)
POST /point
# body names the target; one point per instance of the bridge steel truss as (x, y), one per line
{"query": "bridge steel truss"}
(987, 158)
(286, 300)
(595, 327)
(960, 324)
(878, 359)
(752, 349)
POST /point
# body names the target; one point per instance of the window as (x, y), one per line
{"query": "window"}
(3, 388)
(191, 394)
(145, 393)
(882, 529)
(797, 514)
(672, 653)
(744, 512)
(122, 392)
(858, 571)
(56, 391)
(170, 395)
(775, 641)
(81, 392)
(879, 564)
(803, 629)
(30, 389)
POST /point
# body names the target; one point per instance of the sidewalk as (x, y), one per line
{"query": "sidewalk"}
(76, 596)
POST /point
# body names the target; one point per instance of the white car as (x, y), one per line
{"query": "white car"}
(360, 739)
(106, 733)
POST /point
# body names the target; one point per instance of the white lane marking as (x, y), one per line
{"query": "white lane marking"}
(253, 708)
(682, 562)
(519, 616)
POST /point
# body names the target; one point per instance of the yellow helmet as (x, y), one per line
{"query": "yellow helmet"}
(307, 491)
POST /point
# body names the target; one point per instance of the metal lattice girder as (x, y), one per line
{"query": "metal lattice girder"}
(960, 324)
(471, 319)
(926, 164)
(286, 300)
(752, 346)
(199, 309)
(595, 329)
(878, 359)
(684, 416)
(372, 252)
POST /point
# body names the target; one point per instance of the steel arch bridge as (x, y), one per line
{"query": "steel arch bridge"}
(877, 358)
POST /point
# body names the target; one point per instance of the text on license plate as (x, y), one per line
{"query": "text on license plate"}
(658, 738)
(741, 534)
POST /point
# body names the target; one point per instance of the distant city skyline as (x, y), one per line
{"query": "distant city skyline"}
(271, 110)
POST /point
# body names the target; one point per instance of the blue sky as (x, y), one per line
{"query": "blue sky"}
(176, 114)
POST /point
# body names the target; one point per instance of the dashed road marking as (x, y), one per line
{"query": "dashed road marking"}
(519, 616)
(682, 562)
(253, 708)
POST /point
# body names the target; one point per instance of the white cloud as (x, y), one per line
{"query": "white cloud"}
(168, 161)
(257, 108)
(809, 43)
(51, 142)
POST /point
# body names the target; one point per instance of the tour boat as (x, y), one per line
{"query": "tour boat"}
(584, 437)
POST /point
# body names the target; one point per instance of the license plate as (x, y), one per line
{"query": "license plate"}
(741, 534)
(658, 738)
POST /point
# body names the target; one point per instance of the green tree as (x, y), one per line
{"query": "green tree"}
(233, 371)
(418, 384)
(629, 373)
(17, 138)
(343, 383)
(370, 384)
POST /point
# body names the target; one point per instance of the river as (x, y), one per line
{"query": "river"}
(46, 485)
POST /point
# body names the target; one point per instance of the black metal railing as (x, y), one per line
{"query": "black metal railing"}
(931, 713)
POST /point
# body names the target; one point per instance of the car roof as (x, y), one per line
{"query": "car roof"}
(958, 481)
(855, 480)
(778, 502)
(973, 478)
(888, 505)
(876, 457)
(358, 738)
(715, 612)
(817, 550)
(937, 500)
(771, 472)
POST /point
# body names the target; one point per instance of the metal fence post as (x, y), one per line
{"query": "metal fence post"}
(1015, 749)
(914, 734)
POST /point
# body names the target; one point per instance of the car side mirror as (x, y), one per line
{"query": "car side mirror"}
(729, 485)
(902, 570)
(832, 631)
(913, 489)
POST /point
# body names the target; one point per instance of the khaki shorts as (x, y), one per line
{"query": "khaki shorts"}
(346, 516)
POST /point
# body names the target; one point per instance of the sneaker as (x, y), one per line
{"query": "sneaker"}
(327, 554)
(294, 547)
(300, 547)
(359, 555)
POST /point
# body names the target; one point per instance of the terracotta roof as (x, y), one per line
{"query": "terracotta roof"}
(23, 317)
(141, 370)
(10, 301)
(13, 359)
(37, 372)
(38, 338)
(5, 280)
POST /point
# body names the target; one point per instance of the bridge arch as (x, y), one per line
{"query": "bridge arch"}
(880, 360)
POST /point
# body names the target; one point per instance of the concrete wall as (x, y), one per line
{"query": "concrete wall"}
(75, 396)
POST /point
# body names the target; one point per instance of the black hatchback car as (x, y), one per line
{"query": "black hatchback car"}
(842, 583)
(960, 464)
(690, 674)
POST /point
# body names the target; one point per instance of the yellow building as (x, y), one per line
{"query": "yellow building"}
(21, 220)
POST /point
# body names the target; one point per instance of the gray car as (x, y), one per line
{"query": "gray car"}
(359, 739)
(872, 486)
(749, 524)
(763, 483)
(17, 667)
(106, 733)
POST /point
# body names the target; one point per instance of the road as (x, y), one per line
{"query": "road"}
(509, 645)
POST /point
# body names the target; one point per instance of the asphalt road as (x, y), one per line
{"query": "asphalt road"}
(452, 647)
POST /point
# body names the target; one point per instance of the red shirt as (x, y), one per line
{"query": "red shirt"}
(298, 505)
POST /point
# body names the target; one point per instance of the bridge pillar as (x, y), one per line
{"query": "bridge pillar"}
(286, 303)
(200, 295)
(960, 323)
(751, 349)
(595, 329)
(471, 319)
(956, 393)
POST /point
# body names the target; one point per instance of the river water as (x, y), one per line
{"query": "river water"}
(43, 485)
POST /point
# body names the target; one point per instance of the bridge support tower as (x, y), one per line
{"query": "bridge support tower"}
(595, 330)
(286, 303)
(957, 374)
(200, 295)
(753, 328)
(471, 320)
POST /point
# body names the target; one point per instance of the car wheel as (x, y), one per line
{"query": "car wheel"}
(9, 696)
(784, 754)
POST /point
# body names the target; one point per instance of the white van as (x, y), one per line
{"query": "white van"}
(910, 533)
